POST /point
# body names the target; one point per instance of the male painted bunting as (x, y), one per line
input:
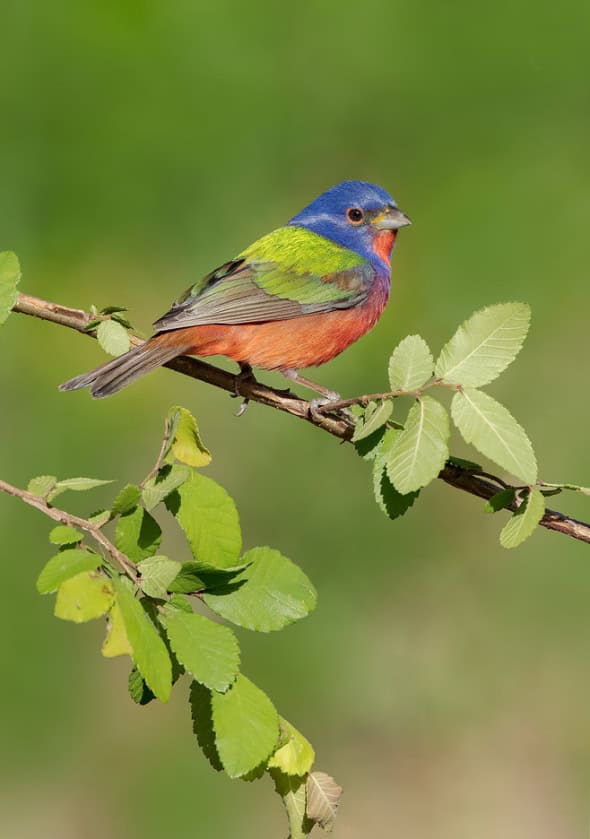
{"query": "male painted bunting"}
(295, 298)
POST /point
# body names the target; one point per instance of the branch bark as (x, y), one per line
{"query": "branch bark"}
(337, 425)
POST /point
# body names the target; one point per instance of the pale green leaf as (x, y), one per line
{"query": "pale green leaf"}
(208, 650)
(187, 445)
(292, 789)
(246, 726)
(75, 485)
(209, 518)
(65, 565)
(374, 421)
(126, 500)
(295, 756)
(571, 487)
(484, 345)
(138, 535)
(411, 364)
(269, 594)
(524, 520)
(149, 650)
(116, 641)
(84, 597)
(42, 485)
(112, 337)
(157, 572)
(202, 716)
(64, 535)
(418, 453)
(9, 279)
(323, 798)
(492, 429)
(165, 482)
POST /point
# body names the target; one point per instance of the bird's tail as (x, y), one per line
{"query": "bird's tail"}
(121, 371)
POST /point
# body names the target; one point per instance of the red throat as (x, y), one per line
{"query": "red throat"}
(383, 244)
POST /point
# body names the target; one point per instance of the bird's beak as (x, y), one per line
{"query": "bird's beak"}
(391, 219)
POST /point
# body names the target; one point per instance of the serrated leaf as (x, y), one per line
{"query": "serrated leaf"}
(112, 337)
(500, 501)
(157, 572)
(75, 485)
(484, 345)
(208, 650)
(296, 755)
(418, 453)
(138, 690)
(187, 445)
(165, 482)
(209, 518)
(84, 597)
(149, 650)
(100, 517)
(246, 726)
(492, 429)
(9, 279)
(411, 364)
(116, 641)
(64, 535)
(293, 791)
(366, 427)
(390, 501)
(323, 798)
(369, 446)
(187, 580)
(138, 535)
(42, 485)
(179, 601)
(126, 500)
(524, 520)
(268, 595)
(65, 565)
(202, 716)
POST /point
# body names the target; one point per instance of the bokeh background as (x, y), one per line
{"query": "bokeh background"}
(443, 680)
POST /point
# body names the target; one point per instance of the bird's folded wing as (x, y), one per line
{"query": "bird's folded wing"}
(273, 280)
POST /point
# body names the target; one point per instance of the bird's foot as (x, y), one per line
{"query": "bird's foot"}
(318, 408)
(293, 375)
(245, 375)
(242, 409)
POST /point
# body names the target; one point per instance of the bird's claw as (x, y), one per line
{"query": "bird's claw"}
(242, 409)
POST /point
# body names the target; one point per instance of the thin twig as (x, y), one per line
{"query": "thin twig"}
(74, 521)
(336, 425)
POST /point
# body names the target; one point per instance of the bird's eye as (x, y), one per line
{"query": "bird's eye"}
(354, 215)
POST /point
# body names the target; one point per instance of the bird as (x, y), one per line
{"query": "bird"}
(295, 298)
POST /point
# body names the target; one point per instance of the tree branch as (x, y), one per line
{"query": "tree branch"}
(330, 421)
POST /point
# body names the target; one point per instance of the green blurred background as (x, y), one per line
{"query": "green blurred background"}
(443, 680)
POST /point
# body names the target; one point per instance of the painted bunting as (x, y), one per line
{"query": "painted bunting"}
(295, 298)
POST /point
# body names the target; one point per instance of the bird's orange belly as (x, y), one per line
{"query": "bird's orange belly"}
(306, 341)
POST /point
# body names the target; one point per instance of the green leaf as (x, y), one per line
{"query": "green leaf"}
(373, 421)
(116, 641)
(187, 445)
(268, 595)
(323, 798)
(492, 429)
(138, 534)
(296, 755)
(411, 364)
(165, 482)
(178, 601)
(524, 520)
(468, 465)
(149, 650)
(572, 487)
(293, 791)
(126, 500)
(418, 453)
(76, 485)
(100, 517)
(389, 500)
(187, 580)
(202, 716)
(157, 572)
(209, 518)
(112, 337)
(500, 501)
(369, 446)
(64, 535)
(138, 690)
(111, 310)
(207, 650)
(484, 345)
(65, 565)
(42, 485)
(246, 726)
(84, 597)
(9, 279)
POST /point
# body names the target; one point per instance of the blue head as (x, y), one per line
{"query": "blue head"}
(357, 215)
